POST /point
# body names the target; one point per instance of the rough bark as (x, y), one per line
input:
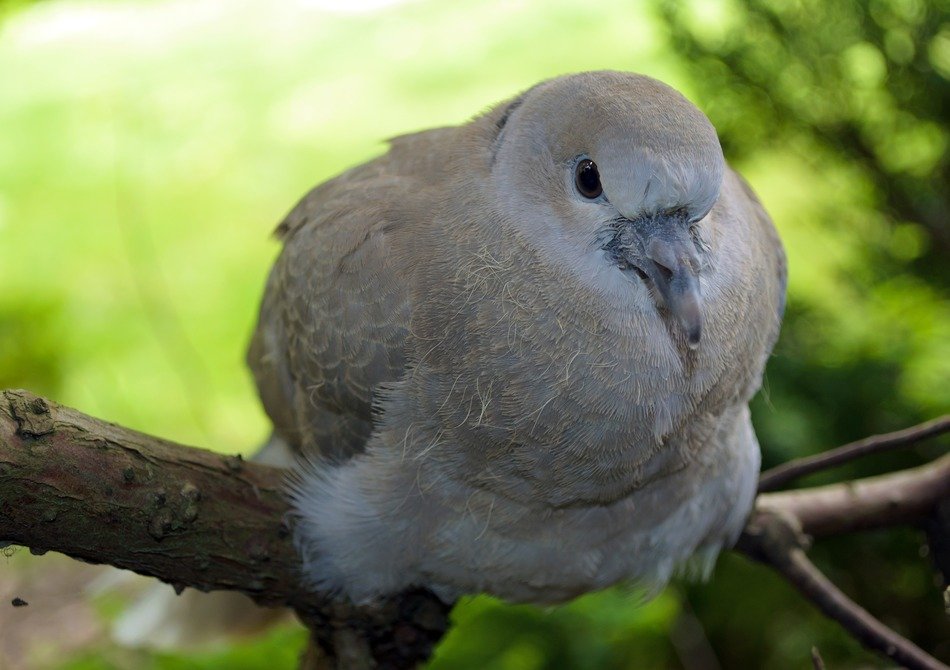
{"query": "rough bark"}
(102, 493)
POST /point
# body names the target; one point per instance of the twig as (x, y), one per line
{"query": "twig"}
(782, 474)
(690, 641)
(907, 496)
(774, 539)
(816, 660)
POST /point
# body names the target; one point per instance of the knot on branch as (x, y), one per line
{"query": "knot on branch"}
(772, 534)
(31, 413)
(398, 632)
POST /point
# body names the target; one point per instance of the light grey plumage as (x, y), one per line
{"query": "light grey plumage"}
(506, 386)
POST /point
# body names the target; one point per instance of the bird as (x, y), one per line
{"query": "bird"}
(515, 356)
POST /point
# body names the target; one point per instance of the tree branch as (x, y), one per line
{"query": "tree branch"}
(897, 498)
(775, 535)
(102, 493)
(106, 494)
(782, 474)
(775, 538)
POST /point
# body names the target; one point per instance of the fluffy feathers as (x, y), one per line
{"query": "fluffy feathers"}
(490, 393)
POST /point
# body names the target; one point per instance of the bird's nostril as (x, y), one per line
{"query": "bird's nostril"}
(665, 271)
(663, 255)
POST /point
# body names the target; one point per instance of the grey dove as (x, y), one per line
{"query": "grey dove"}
(518, 353)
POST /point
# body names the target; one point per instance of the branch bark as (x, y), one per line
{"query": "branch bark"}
(903, 497)
(783, 524)
(102, 493)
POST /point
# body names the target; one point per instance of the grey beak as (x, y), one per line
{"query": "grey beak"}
(661, 250)
(673, 266)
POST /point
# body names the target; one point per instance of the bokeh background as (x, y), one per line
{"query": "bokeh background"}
(148, 148)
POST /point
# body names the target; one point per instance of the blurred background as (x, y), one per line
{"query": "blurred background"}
(149, 147)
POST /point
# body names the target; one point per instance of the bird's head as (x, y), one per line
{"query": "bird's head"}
(612, 175)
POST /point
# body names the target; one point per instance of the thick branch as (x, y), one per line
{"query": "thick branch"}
(782, 474)
(106, 494)
(103, 493)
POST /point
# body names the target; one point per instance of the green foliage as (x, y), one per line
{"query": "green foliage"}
(841, 110)
(843, 107)
(608, 630)
(148, 148)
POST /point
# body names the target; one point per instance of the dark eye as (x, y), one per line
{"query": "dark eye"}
(587, 179)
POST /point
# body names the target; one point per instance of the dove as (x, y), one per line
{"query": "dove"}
(516, 354)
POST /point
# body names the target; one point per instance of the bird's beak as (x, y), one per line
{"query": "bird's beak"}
(661, 251)
(672, 263)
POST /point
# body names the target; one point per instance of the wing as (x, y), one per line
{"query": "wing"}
(334, 320)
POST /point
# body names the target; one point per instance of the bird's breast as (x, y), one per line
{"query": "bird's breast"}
(550, 390)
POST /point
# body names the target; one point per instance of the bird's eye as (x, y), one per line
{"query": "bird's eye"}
(587, 179)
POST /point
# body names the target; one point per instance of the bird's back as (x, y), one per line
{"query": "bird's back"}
(335, 314)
